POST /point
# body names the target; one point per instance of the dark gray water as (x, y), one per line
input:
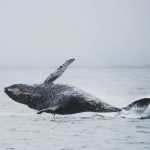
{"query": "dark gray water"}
(21, 128)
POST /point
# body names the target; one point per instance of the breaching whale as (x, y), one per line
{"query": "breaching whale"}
(62, 99)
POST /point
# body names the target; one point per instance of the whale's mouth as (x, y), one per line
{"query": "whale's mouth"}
(5, 89)
(9, 92)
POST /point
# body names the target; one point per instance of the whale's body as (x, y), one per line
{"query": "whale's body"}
(59, 98)
(62, 99)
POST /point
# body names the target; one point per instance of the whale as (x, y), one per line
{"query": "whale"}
(63, 99)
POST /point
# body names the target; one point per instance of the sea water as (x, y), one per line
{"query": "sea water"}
(22, 129)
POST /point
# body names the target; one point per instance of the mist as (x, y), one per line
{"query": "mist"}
(95, 33)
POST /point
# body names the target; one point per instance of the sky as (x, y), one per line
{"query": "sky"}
(94, 32)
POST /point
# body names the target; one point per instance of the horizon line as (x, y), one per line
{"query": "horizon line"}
(82, 66)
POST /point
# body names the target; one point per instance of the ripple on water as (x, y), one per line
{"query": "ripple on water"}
(146, 132)
(142, 127)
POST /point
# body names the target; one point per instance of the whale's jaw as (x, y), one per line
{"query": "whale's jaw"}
(24, 94)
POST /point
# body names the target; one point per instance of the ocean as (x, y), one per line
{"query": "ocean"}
(22, 129)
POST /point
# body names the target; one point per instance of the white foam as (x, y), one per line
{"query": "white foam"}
(136, 112)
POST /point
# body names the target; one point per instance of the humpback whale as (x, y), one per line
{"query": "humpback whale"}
(62, 99)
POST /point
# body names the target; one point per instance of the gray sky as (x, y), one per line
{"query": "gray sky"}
(95, 32)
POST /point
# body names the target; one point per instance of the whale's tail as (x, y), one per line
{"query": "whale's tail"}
(141, 103)
(138, 109)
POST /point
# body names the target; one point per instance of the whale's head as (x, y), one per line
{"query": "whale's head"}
(22, 93)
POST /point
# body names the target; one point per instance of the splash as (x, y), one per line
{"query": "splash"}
(136, 113)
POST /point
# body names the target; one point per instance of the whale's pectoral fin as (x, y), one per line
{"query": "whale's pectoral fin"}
(141, 103)
(53, 76)
(48, 110)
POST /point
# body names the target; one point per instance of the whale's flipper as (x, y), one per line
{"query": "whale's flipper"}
(141, 103)
(48, 110)
(53, 76)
